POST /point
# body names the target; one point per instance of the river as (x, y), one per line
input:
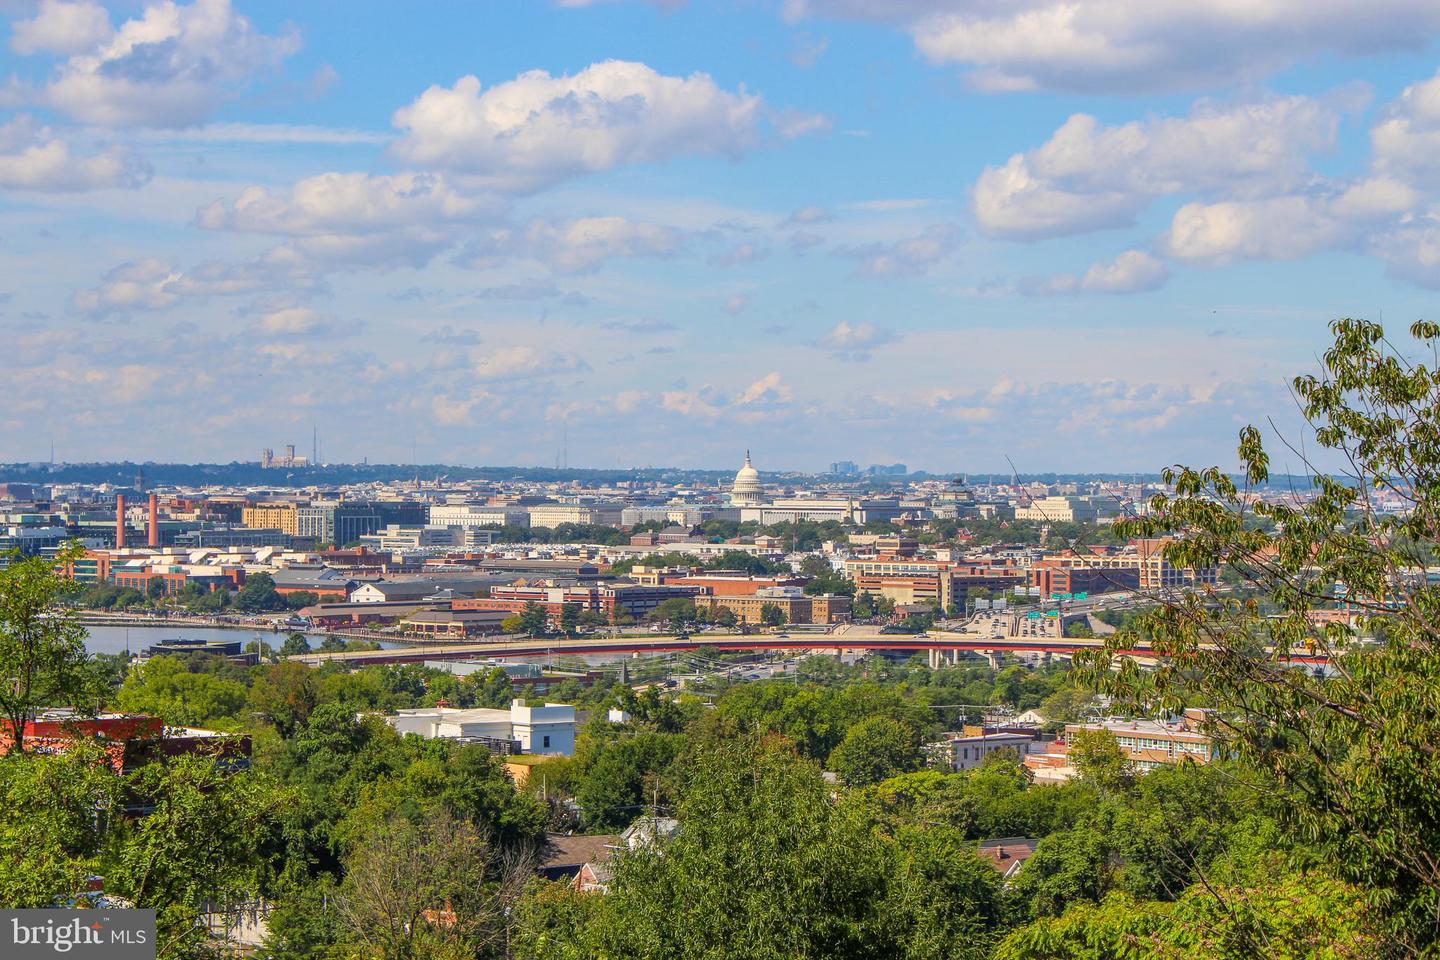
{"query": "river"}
(118, 639)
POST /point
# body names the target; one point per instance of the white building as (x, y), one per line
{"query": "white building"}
(521, 729)
(747, 490)
(967, 753)
(477, 515)
(551, 515)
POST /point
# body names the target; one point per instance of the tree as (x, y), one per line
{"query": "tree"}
(301, 599)
(1353, 745)
(49, 842)
(1099, 759)
(166, 688)
(201, 843)
(295, 644)
(42, 645)
(533, 619)
(772, 615)
(680, 610)
(421, 888)
(569, 619)
(875, 749)
(725, 617)
(620, 778)
(284, 694)
(259, 594)
(512, 624)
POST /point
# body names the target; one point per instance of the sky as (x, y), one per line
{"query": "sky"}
(1067, 235)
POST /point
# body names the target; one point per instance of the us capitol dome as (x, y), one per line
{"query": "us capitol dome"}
(747, 491)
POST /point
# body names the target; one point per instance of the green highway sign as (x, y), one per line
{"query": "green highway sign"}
(1033, 615)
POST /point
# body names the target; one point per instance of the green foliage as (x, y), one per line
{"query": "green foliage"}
(48, 840)
(42, 646)
(875, 749)
(621, 777)
(767, 866)
(1353, 746)
(284, 694)
(259, 594)
(678, 610)
(167, 688)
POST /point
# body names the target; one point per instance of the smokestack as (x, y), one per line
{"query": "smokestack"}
(154, 520)
(120, 521)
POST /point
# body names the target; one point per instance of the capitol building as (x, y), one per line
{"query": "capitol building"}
(747, 490)
(748, 499)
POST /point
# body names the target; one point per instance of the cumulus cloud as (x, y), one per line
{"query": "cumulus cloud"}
(1406, 140)
(538, 289)
(169, 67)
(1117, 46)
(1133, 271)
(524, 362)
(358, 218)
(910, 257)
(739, 254)
(33, 158)
(806, 216)
(293, 322)
(769, 391)
(642, 325)
(62, 27)
(580, 245)
(1090, 176)
(154, 284)
(539, 129)
(855, 341)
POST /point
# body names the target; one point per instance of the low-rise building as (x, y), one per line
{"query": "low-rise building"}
(968, 751)
(521, 729)
(1150, 743)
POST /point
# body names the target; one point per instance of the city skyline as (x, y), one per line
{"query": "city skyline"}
(663, 233)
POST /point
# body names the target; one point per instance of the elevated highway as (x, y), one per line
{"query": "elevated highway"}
(850, 638)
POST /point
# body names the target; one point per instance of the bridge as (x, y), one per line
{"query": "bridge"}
(942, 644)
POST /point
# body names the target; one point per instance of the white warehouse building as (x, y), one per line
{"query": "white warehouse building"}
(521, 729)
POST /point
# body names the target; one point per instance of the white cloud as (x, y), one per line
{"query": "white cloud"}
(1277, 228)
(855, 341)
(33, 158)
(358, 218)
(155, 284)
(1089, 176)
(170, 67)
(1133, 271)
(294, 322)
(523, 362)
(737, 303)
(62, 27)
(538, 129)
(739, 254)
(910, 257)
(1406, 141)
(1120, 46)
(807, 216)
(574, 246)
(769, 391)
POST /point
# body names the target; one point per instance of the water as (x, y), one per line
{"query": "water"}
(115, 639)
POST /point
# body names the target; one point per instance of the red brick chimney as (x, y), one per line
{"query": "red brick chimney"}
(120, 521)
(154, 520)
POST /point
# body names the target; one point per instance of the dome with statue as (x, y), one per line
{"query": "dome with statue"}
(747, 491)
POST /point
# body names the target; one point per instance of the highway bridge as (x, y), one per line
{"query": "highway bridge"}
(940, 643)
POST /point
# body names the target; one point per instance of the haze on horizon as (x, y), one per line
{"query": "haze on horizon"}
(822, 229)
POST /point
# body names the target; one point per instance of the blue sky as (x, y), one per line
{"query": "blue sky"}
(1092, 235)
